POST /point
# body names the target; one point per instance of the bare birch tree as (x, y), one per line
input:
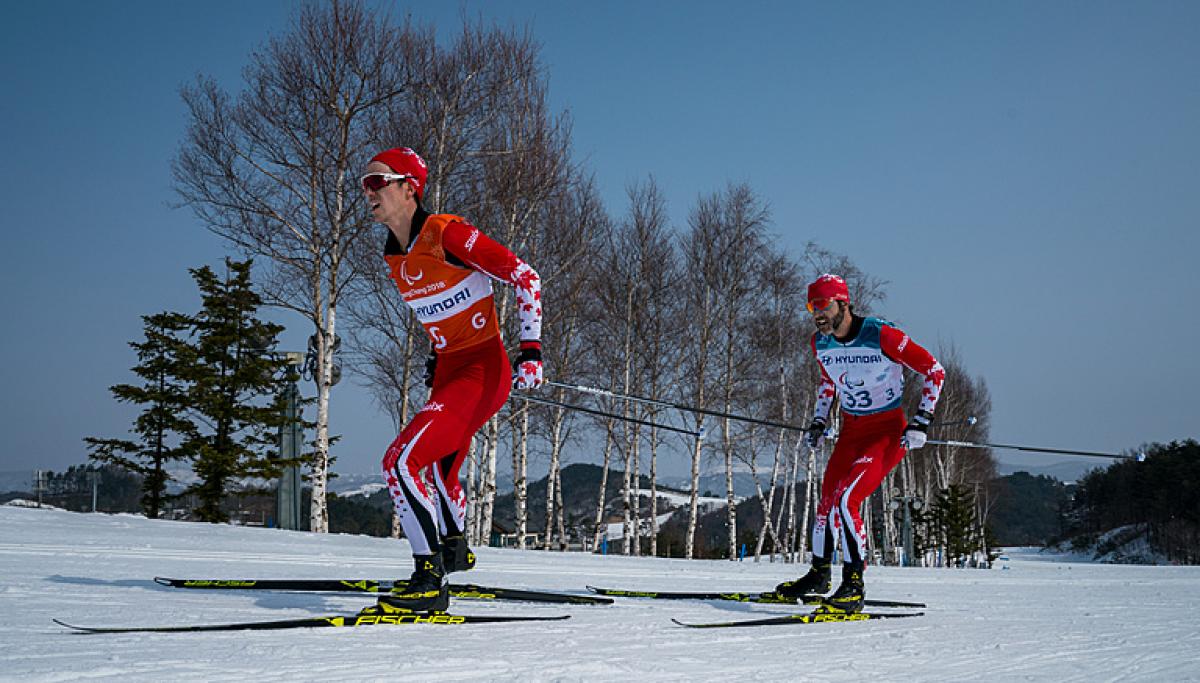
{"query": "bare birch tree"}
(573, 224)
(738, 241)
(273, 171)
(657, 270)
(524, 163)
(781, 352)
(701, 257)
(616, 293)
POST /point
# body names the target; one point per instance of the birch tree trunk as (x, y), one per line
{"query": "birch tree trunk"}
(626, 506)
(653, 489)
(318, 505)
(782, 521)
(488, 476)
(630, 434)
(769, 500)
(689, 542)
(636, 531)
(561, 516)
(553, 493)
(868, 527)
(810, 492)
(472, 518)
(890, 539)
(730, 500)
(601, 528)
(520, 461)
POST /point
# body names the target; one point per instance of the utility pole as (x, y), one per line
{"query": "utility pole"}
(94, 478)
(291, 441)
(291, 433)
(909, 505)
(39, 484)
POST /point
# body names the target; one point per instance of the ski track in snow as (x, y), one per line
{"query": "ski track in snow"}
(1043, 619)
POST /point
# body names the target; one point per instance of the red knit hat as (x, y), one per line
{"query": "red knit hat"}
(404, 160)
(829, 287)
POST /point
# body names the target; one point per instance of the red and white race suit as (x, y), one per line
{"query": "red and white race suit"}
(866, 372)
(445, 277)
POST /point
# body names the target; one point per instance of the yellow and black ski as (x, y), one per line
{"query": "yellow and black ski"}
(766, 598)
(815, 618)
(467, 590)
(336, 621)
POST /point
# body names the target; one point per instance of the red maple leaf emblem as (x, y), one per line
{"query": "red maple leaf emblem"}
(525, 280)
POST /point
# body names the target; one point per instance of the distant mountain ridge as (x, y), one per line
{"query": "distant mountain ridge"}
(16, 480)
(1066, 472)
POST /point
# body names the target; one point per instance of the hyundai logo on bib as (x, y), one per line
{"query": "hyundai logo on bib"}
(830, 359)
(444, 305)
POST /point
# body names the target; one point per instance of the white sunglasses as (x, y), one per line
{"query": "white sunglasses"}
(375, 182)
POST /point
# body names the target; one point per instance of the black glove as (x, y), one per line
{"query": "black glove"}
(430, 367)
(815, 434)
(915, 433)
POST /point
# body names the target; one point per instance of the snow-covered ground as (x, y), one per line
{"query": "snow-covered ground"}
(1044, 618)
(681, 499)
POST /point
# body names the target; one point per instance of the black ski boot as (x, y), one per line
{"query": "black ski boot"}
(849, 597)
(427, 590)
(816, 581)
(456, 556)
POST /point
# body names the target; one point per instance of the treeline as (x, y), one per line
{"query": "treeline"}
(87, 488)
(1029, 509)
(114, 488)
(1161, 495)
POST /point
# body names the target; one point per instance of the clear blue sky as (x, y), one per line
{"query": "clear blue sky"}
(1025, 174)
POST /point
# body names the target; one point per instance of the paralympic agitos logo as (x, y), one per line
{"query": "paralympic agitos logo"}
(845, 380)
(410, 280)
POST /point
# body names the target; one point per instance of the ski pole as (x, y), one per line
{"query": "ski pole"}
(568, 406)
(676, 406)
(971, 444)
(971, 420)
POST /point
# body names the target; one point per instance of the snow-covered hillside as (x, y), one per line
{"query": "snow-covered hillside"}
(1043, 618)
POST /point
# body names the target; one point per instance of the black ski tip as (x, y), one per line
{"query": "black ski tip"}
(469, 590)
(558, 617)
(602, 591)
(814, 618)
(71, 626)
(715, 624)
(587, 599)
(608, 591)
(719, 624)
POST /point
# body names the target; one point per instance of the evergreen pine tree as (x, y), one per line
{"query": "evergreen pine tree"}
(233, 387)
(163, 433)
(955, 514)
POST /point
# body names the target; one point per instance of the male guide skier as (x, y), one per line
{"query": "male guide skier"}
(443, 267)
(861, 361)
